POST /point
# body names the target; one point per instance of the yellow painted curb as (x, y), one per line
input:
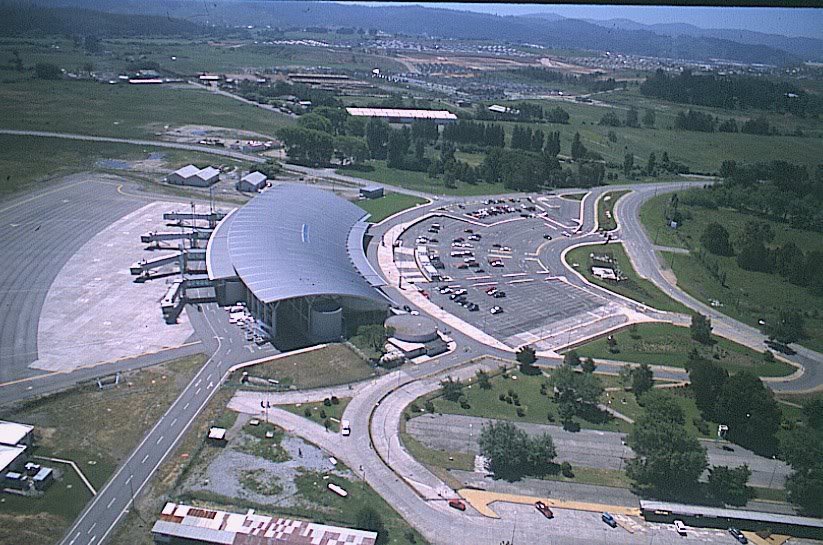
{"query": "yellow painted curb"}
(482, 499)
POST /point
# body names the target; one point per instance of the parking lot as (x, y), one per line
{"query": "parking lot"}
(484, 266)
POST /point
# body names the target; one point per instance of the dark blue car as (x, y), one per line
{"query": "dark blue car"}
(608, 519)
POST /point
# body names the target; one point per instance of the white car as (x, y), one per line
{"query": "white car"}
(680, 527)
(496, 310)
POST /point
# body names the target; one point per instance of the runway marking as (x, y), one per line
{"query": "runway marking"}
(143, 461)
(35, 197)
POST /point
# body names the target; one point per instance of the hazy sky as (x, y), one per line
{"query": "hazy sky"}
(790, 22)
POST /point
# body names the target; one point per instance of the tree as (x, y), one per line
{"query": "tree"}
(667, 456)
(526, 357)
(651, 165)
(706, 383)
(483, 380)
(368, 518)
(541, 455)
(506, 447)
(649, 118)
(552, 147)
(729, 484)
(452, 389)
(715, 239)
(748, 407)
(377, 137)
(307, 146)
(46, 70)
(610, 119)
(813, 413)
(628, 164)
(578, 149)
(315, 122)
(351, 148)
(789, 326)
(588, 365)
(576, 393)
(338, 117)
(396, 149)
(375, 336)
(663, 406)
(701, 329)
(632, 117)
(642, 379)
(805, 489)
(571, 358)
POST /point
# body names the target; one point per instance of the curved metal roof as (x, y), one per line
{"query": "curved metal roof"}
(294, 241)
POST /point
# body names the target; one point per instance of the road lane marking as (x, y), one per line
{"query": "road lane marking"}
(186, 406)
(75, 539)
(197, 393)
(92, 540)
(143, 461)
(158, 441)
(91, 528)
(173, 422)
(111, 502)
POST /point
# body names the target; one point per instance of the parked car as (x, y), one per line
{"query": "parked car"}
(608, 519)
(738, 535)
(473, 307)
(544, 509)
(496, 310)
(499, 294)
(727, 448)
(680, 527)
(454, 503)
(547, 236)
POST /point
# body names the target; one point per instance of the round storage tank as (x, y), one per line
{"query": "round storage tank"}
(413, 329)
(326, 321)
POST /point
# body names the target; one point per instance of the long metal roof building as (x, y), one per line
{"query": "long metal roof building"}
(295, 241)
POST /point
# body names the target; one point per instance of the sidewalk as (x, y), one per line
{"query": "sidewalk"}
(481, 500)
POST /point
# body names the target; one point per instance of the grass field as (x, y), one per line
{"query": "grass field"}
(633, 286)
(666, 344)
(388, 205)
(333, 412)
(27, 160)
(85, 107)
(95, 429)
(419, 181)
(328, 366)
(605, 210)
(747, 296)
(539, 408)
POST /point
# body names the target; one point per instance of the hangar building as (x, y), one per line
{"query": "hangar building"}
(191, 175)
(402, 115)
(295, 255)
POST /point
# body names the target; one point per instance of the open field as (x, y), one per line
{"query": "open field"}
(419, 181)
(388, 205)
(96, 429)
(605, 210)
(633, 286)
(316, 411)
(747, 296)
(666, 344)
(327, 366)
(86, 107)
(26, 160)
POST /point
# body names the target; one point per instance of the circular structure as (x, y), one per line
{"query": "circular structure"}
(413, 329)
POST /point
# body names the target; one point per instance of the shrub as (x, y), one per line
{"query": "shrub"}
(566, 470)
(429, 407)
(335, 400)
(502, 397)
(327, 402)
(465, 405)
(415, 408)
(521, 412)
(323, 413)
(307, 412)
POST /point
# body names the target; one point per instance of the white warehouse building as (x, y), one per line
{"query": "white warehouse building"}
(194, 176)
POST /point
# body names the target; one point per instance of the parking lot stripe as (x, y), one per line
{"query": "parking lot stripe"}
(521, 281)
(513, 274)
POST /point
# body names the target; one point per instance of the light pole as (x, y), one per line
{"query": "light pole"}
(774, 470)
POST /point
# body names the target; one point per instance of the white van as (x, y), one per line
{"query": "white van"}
(345, 428)
(680, 527)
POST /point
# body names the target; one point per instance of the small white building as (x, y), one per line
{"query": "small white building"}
(13, 434)
(371, 192)
(251, 182)
(12, 458)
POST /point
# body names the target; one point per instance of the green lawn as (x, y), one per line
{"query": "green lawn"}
(377, 171)
(333, 412)
(539, 408)
(747, 296)
(328, 366)
(633, 287)
(605, 210)
(666, 344)
(86, 107)
(388, 205)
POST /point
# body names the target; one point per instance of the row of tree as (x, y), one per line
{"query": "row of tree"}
(694, 120)
(479, 134)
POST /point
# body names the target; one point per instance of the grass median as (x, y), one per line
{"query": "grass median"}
(388, 205)
(670, 345)
(321, 412)
(632, 286)
(605, 210)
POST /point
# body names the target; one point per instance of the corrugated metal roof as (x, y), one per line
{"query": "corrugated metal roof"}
(218, 260)
(740, 514)
(254, 177)
(12, 433)
(187, 171)
(294, 241)
(401, 113)
(207, 173)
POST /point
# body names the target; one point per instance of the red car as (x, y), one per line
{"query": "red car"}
(544, 509)
(454, 503)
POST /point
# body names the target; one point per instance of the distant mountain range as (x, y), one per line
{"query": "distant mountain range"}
(674, 41)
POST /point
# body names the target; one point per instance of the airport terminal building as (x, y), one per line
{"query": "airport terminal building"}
(295, 255)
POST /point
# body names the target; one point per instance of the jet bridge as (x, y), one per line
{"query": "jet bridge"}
(211, 217)
(182, 258)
